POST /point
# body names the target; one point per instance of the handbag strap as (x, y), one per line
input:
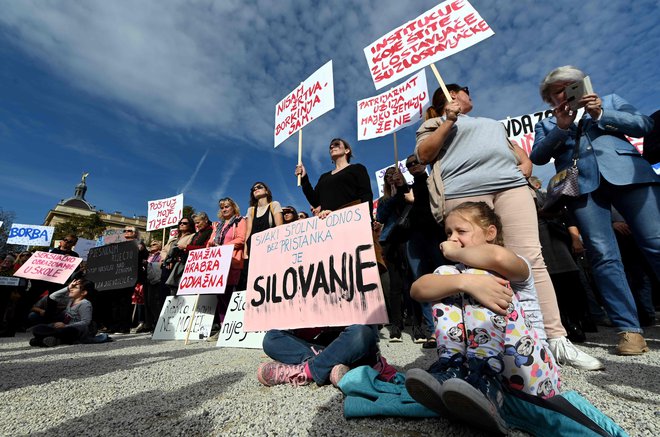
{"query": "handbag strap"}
(576, 147)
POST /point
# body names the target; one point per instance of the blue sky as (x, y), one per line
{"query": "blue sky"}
(157, 97)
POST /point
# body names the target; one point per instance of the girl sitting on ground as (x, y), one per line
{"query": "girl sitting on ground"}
(484, 331)
(76, 318)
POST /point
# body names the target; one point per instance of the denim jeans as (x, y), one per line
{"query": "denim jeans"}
(639, 206)
(424, 257)
(355, 345)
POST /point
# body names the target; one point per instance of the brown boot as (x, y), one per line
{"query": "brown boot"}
(631, 343)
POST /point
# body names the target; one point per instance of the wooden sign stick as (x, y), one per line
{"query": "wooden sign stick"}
(299, 152)
(192, 317)
(442, 83)
(396, 152)
(164, 231)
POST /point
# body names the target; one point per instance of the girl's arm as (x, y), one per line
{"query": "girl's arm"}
(488, 257)
(491, 291)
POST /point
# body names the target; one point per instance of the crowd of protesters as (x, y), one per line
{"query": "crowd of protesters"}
(470, 240)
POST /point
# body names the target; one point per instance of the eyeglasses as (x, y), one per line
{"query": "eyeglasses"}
(466, 89)
(411, 164)
(258, 187)
(129, 230)
(287, 211)
(184, 223)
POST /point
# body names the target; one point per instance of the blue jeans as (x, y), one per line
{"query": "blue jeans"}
(424, 257)
(639, 206)
(355, 345)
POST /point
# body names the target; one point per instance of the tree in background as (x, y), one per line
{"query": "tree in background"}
(89, 227)
(7, 219)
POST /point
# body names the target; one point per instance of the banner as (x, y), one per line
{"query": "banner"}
(50, 267)
(113, 266)
(395, 109)
(311, 99)
(380, 176)
(164, 213)
(232, 333)
(206, 271)
(30, 235)
(520, 130)
(175, 316)
(314, 272)
(83, 246)
(111, 236)
(438, 33)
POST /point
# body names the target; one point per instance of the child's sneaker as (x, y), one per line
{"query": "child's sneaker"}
(337, 373)
(477, 400)
(424, 387)
(51, 341)
(274, 373)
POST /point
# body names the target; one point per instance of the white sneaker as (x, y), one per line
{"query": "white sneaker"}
(566, 353)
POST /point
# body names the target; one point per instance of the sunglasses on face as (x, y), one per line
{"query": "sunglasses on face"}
(411, 164)
(257, 187)
(71, 241)
(184, 223)
(128, 230)
(335, 144)
(466, 89)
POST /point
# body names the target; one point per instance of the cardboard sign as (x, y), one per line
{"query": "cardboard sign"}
(206, 271)
(83, 246)
(440, 32)
(30, 235)
(113, 266)
(164, 213)
(175, 316)
(520, 130)
(311, 99)
(111, 236)
(380, 176)
(232, 333)
(9, 281)
(50, 267)
(395, 109)
(313, 273)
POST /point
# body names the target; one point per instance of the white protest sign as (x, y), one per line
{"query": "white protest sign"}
(164, 213)
(82, 247)
(380, 176)
(1, 224)
(311, 99)
(395, 109)
(10, 281)
(30, 235)
(206, 271)
(440, 32)
(520, 130)
(175, 318)
(232, 334)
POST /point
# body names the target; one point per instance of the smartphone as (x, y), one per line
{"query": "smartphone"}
(575, 91)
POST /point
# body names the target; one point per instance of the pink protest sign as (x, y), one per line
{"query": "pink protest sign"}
(164, 213)
(440, 32)
(315, 273)
(311, 99)
(206, 271)
(49, 267)
(392, 110)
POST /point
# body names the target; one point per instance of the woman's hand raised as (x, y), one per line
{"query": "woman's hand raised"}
(300, 171)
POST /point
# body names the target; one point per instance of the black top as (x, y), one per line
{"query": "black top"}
(421, 217)
(334, 191)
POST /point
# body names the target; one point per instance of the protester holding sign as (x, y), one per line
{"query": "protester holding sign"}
(231, 229)
(479, 165)
(173, 256)
(611, 172)
(77, 317)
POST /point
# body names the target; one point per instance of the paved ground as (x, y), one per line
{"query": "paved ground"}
(135, 386)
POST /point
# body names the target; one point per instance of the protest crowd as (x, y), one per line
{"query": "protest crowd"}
(475, 260)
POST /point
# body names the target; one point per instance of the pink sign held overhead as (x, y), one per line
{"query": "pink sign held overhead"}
(50, 267)
(392, 110)
(438, 33)
(164, 213)
(206, 271)
(315, 273)
(311, 99)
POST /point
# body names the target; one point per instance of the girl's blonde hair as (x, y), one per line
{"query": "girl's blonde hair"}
(482, 215)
